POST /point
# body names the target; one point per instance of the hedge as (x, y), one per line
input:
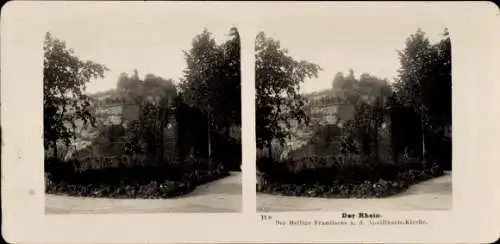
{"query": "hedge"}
(130, 182)
(334, 177)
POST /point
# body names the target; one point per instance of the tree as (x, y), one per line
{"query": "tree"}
(229, 100)
(415, 60)
(212, 77)
(278, 80)
(154, 95)
(161, 94)
(65, 77)
(202, 71)
(424, 87)
(338, 81)
(211, 84)
(163, 91)
(130, 88)
(227, 116)
(369, 96)
(201, 75)
(440, 110)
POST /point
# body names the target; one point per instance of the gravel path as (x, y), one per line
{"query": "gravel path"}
(225, 195)
(434, 194)
(222, 195)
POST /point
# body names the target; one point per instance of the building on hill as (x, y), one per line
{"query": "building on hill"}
(325, 108)
(184, 134)
(327, 112)
(110, 109)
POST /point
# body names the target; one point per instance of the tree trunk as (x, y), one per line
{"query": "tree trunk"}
(230, 163)
(423, 131)
(209, 143)
(208, 138)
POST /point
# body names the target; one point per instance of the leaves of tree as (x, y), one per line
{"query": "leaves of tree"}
(278, 77)
(65, 77)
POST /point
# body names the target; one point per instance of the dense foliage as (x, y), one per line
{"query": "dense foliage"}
(65, 77)
(154, 97)
(423, 94)
(386, 137)
(340, 176)
(171, 137)
(130, 182)
(277, 82)
(211, 85)
(368, 96)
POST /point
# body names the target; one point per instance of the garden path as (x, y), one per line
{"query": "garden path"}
(433, 194)
(223, 195)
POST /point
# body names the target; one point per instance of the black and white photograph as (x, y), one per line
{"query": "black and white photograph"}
(353, 116)
(249, 122)
(142, 117)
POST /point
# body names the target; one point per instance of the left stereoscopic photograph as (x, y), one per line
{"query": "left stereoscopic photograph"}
(142, 118)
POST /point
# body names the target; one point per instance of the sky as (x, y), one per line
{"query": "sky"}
(124, 41)
(364, 39)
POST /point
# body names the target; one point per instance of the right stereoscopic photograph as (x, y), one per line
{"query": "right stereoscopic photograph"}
(353, 117)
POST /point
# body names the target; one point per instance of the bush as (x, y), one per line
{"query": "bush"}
(338, 177)
(130, 182)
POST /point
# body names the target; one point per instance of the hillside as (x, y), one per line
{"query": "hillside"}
(327, 117)
(107, 110)
(324, 111)
(105, 97)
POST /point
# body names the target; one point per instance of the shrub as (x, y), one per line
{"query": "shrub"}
(130, 181)
(336, 177)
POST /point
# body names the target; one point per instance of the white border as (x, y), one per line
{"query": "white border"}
(475, 32)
